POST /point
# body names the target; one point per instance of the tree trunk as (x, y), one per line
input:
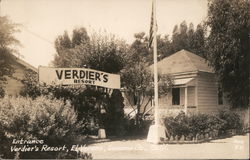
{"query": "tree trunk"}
(137, 118)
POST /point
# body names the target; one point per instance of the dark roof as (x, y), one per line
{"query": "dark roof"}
(182, 61)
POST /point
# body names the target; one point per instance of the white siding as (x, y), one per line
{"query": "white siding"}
(207, 93)
(191, 96)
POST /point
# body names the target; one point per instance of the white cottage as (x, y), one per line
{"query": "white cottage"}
(195, 89)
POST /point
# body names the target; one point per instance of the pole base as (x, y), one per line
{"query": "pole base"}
(156, 133)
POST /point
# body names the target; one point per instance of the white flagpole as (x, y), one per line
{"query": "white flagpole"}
(157, 131)
(155, 68)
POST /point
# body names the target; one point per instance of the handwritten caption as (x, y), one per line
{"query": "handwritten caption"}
(21, 145)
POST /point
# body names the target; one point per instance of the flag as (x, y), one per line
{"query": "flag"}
(151, 31)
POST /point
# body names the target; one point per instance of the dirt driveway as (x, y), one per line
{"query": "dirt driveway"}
(236, 147)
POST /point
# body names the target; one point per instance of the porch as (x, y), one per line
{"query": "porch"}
(182, 97)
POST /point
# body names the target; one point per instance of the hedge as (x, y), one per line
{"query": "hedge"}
(202, 124)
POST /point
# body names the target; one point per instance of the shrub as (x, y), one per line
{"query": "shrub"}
(113, 120)
(51, 120)
(202, 123)
(2, 92)
(177, 125)
(232, 121)
(88, 101)
(83, 98)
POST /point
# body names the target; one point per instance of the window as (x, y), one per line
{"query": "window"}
(220, 96)
(176, 96)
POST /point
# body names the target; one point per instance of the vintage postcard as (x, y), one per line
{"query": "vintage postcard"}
(124, 79)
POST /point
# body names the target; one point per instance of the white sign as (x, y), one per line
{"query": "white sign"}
(71, 76)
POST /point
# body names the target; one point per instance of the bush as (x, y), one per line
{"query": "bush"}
(2, 92)
(88, 102)
(232, 121)
(177, 125)
(202, 123)
(113, 120)
(83, 98)
(53, 121)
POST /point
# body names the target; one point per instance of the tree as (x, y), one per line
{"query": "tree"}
(180, 37)
(138, 83)
(102, 52)
(105, 53)
(139, 49)
(141, 52)
(66, 47)
(164, 47)
(80, 36)
(113, 118)
(199, 40)
(7, 41)
(228, 47)
(187, 38)
(137, 79)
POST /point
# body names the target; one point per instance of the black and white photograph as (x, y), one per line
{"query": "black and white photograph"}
(124, 79)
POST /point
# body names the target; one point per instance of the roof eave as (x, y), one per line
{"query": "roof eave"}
(25, 64)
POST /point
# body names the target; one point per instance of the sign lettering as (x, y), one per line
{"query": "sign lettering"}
(70, 76)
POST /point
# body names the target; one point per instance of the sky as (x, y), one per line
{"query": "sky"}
(43, 20)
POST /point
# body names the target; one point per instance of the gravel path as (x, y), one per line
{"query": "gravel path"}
(236, 147)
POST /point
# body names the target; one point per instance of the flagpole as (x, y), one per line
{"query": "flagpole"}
(155, 68)
(156, 131)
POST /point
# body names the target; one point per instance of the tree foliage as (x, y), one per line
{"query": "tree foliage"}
(113, 118)
(183, 37)
(66, 47)
(102, 52)
(188, 38)
(139, 50)
(228, 47)
(137, 78)
(7, 43)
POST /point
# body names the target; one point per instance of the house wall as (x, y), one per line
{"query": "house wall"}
(207, 97)
(191, 96)
(14, 85)
(206, 90)
(166, 101)
(207, 93)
